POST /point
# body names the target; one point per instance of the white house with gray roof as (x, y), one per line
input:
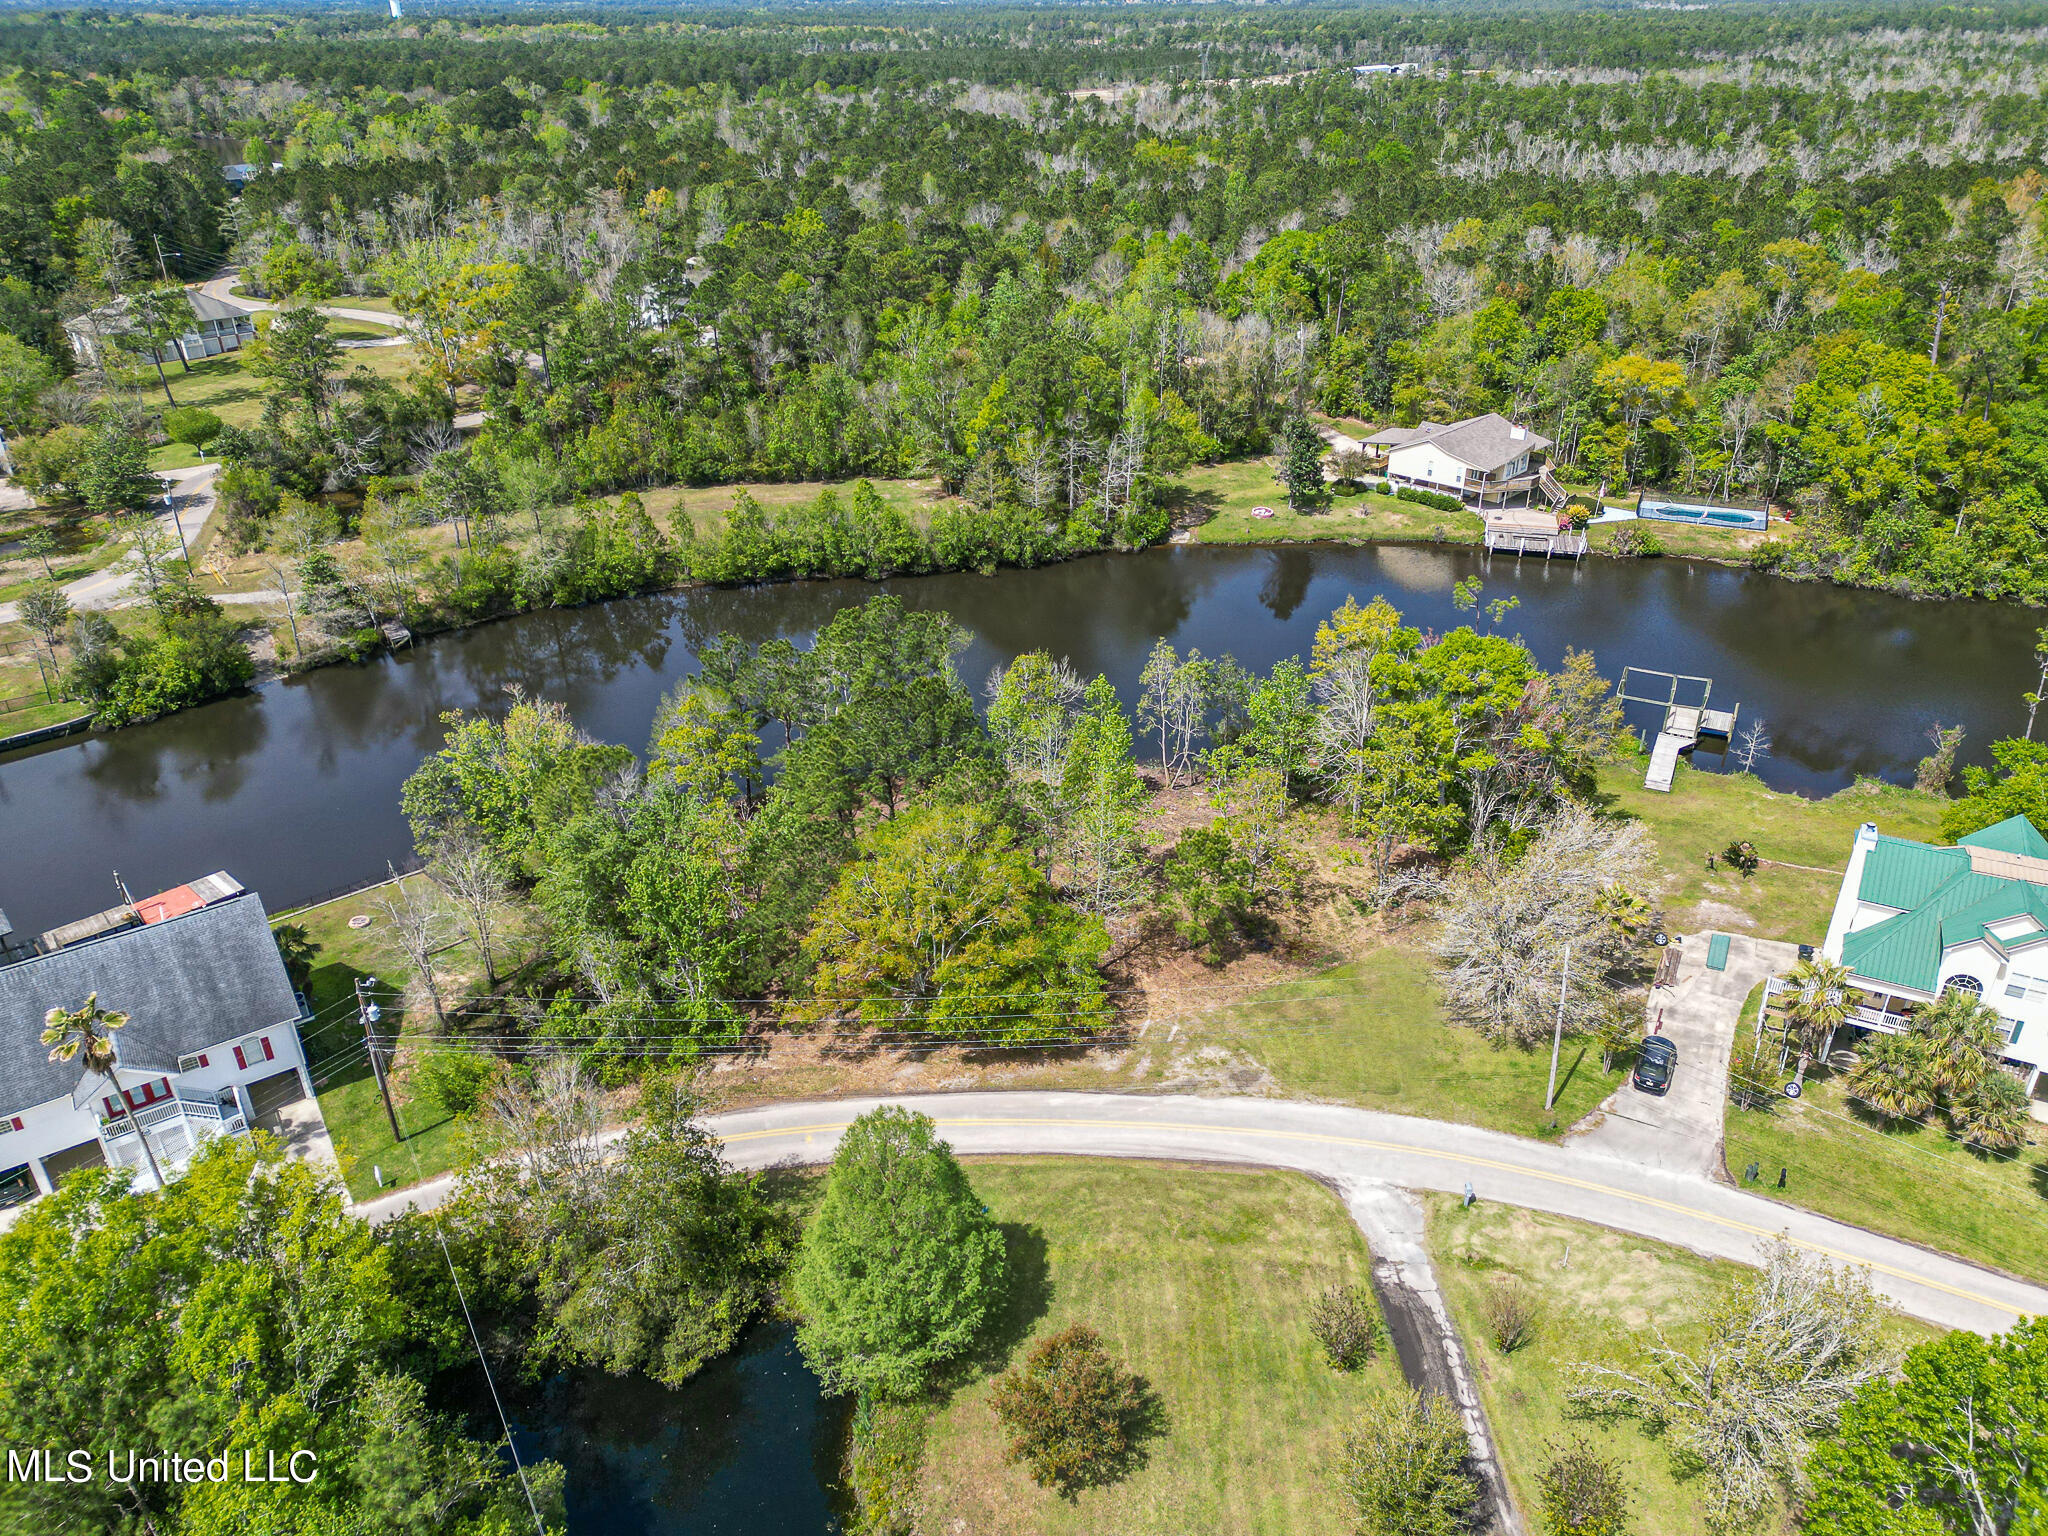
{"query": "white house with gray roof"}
(1913, 920)
(212, 1040)
(1486, 459)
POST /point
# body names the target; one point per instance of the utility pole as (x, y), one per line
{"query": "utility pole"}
(370, 1013)
(1557, 1034)
(162, 271)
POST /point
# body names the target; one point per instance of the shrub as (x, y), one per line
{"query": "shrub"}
(1435, 499)
(1509, 1307)
(1070, 1411)
(1636, 542)
(454, 1081)
(190, 425)
(1344, 1325)
(1404, 1469)
(1581, 1492)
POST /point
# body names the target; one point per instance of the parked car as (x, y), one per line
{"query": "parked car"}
(1656, 1060)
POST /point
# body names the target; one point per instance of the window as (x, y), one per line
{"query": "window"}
(192, 1063)
(253, 1050)
(148, 1093)
(1964, 983)
(7, 1126)
(115, 1108)
(2027, 988)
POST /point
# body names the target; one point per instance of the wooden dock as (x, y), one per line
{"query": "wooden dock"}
(1684, 724)
(1568, 544)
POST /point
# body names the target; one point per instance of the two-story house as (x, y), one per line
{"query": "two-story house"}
(212, 1038)
(1913, 921)
(1486, 460)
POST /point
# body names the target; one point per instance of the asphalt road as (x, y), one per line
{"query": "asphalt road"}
(1357, 1146)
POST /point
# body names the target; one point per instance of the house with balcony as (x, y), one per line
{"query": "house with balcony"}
(1488, 461)
(211, 1045)
(217, 327)
(1913, 921)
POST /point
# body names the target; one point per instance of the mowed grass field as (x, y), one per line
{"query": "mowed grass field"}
(1805, 845)
(347, 1089)
(1198, 1279)
(1913, 1181)
(1224, 496)
(1603, 1296)
(1373, 1033)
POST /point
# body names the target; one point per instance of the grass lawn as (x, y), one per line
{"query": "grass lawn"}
(359, 330)
(82, 548)
(1603, 1295)
(1914, 1182)
(222, 385)
(348, 1092)
(1198, 1280)
(1373, 1033)
(1227, 493)
(1710, 810)
(15, 722)
(1691, 540)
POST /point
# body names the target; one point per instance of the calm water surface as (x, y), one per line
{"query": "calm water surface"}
(294, 789)
(748, 1447)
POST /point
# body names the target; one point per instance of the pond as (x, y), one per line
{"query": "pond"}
(748, 1446)
(294, 788)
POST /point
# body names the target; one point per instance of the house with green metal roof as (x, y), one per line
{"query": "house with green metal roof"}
(1913, 921)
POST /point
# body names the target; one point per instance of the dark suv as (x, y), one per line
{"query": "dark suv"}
(1656, 1060)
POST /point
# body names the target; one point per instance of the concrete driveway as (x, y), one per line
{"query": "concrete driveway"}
(1700, 1013)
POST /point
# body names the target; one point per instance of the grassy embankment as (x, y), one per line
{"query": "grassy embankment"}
(1198, 1280)
(1603, 1296)
(1227, 493)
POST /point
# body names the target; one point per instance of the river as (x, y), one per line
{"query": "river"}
(293, 788)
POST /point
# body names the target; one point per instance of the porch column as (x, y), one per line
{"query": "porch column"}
(41, 1175)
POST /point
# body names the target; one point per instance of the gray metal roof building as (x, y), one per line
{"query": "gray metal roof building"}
(186, 983)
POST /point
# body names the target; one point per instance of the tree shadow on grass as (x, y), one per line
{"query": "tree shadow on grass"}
(1027, 1296)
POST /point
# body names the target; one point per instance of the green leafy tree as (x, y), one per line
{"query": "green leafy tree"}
(297, 356)
(139, 1322)
(1070, 1410)
(901, 1267)
(1894, 1075)
(1817, 1001)
(1301, 465)
(943, 924)
(1211, 886)
(1955, 1445)
(677, 1255)
(1100, 795)
(190, 425)
(112, 474)
(1404, 1468)
(2016, 785)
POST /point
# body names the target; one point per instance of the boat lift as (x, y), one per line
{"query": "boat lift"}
(1684, 723)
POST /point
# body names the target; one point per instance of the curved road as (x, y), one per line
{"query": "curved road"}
(1357, 1148)
(1354, 1145)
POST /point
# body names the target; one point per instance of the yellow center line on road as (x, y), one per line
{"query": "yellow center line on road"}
(1464, 1158)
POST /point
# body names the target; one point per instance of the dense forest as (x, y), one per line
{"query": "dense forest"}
(1054, 259)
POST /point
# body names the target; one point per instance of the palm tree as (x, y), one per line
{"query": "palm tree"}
(1964, 1041)
(1895, 1077)
(86, 1035)
(1818, 1003)
(1996, 1115)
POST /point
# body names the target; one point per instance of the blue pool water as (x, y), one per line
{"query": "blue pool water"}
(1687, 512)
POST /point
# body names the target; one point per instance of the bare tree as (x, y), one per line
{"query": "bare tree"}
(420, 931)
(549, 1136)
(469, 875)
(1173, 704)
(1509, 924)
(1781, 1357)
(1755, 744)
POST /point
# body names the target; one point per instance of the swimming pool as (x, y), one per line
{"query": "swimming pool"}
(1698, 512)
